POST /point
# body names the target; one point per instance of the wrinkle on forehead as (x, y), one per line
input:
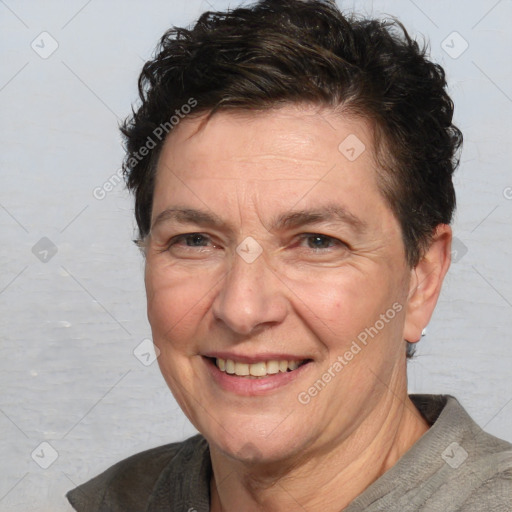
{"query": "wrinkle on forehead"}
(277, 161)
(275, 156)
(231, 130)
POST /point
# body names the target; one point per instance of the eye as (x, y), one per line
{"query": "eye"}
(191, 240)
(316, 241)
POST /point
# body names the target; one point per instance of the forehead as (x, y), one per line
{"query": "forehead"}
(296, 155)
(294, 140)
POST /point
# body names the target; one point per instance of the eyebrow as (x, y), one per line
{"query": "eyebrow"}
(189, 216)
(330, 213)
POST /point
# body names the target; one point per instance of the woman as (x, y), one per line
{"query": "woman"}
(292, 171)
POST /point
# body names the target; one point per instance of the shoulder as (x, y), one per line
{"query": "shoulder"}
(495, 493)
(491, 490)
(491, 471)
(129, 484)
(474, 470)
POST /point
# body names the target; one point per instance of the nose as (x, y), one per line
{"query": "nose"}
(251, 297)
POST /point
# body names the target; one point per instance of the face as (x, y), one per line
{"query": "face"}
(271, 247)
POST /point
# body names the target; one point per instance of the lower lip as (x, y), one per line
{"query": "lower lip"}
(253, 387)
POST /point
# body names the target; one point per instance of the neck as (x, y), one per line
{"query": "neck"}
(342, 471)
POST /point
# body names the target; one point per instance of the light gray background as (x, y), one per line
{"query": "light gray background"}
(69, 326)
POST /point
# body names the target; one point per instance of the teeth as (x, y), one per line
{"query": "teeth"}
(257, 369)
(260, 369)
(272, 367)
(230, 366)
(293, 365)
(241, 369)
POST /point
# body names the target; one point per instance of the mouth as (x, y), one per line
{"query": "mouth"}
(258, 369)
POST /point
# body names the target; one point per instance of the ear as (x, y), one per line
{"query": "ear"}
(425, 283)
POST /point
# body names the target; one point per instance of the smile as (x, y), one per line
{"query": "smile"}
(258, 369)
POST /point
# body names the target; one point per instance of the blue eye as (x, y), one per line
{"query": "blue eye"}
(317, 241)
(194, 239)
(191, 240)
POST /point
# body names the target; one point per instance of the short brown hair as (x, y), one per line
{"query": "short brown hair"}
(277, 52)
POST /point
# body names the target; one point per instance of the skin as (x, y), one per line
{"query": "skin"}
(304, 296)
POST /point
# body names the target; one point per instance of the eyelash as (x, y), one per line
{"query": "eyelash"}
(175, 240)
(327, 238)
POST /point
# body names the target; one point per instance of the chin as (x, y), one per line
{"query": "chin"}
(255, 444)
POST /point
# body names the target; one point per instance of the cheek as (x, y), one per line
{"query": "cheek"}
(175, 304)
(339, 305)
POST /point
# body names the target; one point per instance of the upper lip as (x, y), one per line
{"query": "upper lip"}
(255, 358)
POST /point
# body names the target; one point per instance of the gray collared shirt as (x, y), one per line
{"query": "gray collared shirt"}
(454, 467)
